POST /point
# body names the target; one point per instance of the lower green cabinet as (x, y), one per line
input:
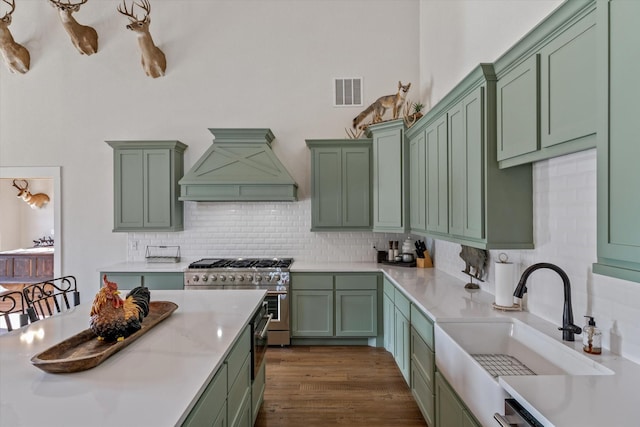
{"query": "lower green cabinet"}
(396, 314)
(401, 346)
(388, 315)
(159, 281)
(450, 411)
(334, 305)
(211, 408)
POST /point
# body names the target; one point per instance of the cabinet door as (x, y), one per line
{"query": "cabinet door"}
(128, 189)
(449, 411)
(356, 313)
(402, 342)
(163, 280)
(389, 315)
(356, 187)
(312, 313)
(568, 78)
(518, 97)
(388, 180)
(466, 166)
(418, 182)
(327, 187)
(44, 267)
(423, 395)
(157, 188)
(618, 149)
(437, 177)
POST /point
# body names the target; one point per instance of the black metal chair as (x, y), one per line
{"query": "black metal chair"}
(47, 298)
(12, 303)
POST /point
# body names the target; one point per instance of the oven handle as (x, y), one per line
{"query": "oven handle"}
(277, 292)
(263, 333)
(501, 420)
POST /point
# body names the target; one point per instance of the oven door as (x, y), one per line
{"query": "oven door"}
(260, 340)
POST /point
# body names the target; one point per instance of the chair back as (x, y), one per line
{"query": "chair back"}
(47, 298)
(12, 305)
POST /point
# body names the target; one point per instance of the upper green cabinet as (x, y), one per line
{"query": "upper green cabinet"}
(390, 177)
(469, 200)
(618, 148)
(546, 97)
(146, 175)
(340, 184)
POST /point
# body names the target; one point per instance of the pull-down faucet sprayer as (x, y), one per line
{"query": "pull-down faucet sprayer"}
(568, 328)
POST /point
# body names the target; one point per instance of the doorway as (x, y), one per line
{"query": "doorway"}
(45, 222)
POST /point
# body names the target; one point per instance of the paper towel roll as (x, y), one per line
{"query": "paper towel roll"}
(504, 283)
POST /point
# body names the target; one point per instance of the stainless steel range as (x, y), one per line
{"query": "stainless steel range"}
(271, 274)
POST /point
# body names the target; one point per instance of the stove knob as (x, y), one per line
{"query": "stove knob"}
(223, 278)
(240, 278)
(205, 277)
(196, 278)
(249, 277)
(232, 278)
(258, 278)
(213, 277)
(276, 277)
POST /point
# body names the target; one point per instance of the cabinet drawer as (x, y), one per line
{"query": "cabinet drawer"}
(356, 281)
(423, 326)
(312, 281)
(402, 303)
(237, 355)
(422, 358)
(212, 401)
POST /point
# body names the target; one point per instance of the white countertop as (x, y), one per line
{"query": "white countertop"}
(153, 382)
(146, 267)
(555, 400)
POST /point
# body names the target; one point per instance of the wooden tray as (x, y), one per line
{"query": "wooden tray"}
(84, 351)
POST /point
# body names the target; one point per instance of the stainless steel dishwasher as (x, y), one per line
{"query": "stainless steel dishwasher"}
(516, 416)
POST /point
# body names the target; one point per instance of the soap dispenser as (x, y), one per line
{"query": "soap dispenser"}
(591, 337)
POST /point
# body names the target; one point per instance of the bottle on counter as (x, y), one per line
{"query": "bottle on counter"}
(391, 257)
(396, 252)
(591, 337)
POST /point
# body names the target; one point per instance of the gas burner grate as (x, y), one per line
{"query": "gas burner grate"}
(502, 365)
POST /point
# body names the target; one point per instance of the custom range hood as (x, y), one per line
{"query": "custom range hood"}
(239, 166)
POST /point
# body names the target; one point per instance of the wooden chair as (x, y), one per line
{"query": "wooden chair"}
(47, 298)
(11, 304)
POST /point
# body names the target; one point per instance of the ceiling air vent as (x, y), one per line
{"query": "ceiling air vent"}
(347, 92)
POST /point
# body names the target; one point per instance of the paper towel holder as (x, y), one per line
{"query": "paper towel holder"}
(503, 258)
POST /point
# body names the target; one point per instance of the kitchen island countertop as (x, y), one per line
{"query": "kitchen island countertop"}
(153, 382)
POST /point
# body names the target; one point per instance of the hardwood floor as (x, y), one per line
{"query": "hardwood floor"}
(327, 386)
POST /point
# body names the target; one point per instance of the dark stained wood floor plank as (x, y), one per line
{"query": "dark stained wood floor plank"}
(335, 386)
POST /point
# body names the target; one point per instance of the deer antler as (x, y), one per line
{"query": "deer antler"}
(26, 185)
(68, 5)
(355, 134)
(146, 6)
(7, 15)
(409, 119)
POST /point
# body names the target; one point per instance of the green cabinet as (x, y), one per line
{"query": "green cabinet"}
(417, 183)
(618, 150)
(469, 199)
(340, 305)
(146, 175)
(340, 184)
(129, 280)
(390, 177)
(227, 399)
(546, 97)
(396, 315)
(450, 410)
(423, 364)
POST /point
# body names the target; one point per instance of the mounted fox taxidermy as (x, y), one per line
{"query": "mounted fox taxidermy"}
(15, 55)
(34, 200)
(382, 104)
(83, 37)
(154, 62)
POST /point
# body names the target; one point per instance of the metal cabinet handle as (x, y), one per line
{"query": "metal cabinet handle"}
(266, 326)
(501, 420)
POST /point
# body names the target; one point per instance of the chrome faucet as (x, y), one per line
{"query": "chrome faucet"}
(568, 328)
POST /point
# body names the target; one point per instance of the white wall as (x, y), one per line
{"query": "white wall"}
(231, 63)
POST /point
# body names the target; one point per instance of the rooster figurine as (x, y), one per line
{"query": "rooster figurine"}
(113, 318)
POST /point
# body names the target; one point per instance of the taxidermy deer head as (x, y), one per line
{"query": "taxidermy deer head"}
(15, 55)
(83, 37)
(33, 200)
(153, 59)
